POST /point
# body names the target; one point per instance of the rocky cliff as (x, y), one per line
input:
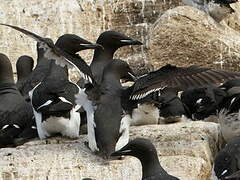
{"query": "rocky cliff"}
(185, 150)
(171, 34)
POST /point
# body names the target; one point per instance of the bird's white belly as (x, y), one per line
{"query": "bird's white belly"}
(144, 114)
(55, 124)
(66, 127)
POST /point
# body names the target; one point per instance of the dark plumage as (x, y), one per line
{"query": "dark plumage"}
(111, 42)
(72, 43)
(229, 114)
(203, 102)
(106, 129)
(227, 160)
(230, 84)
(170, 106)
(24, 68)
(145, 151)
(15, 113)
(53, 99)
(38, 74)
(147, 89)
(180, 78)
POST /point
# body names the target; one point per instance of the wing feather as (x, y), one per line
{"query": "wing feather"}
(180, 78)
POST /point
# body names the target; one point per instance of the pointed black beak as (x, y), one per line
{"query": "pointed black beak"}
(121, 152)
(91, 46)
(130, 42)
(134, 78)
(116, 153)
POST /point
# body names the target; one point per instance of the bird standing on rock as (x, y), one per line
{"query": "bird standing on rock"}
(53, 102)
(148, 88)
(145, 151)
(111, 42)
(107, 131)
(16, 116)
(53, 99)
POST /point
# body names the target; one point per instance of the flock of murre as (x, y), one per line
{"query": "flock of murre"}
(45, 102)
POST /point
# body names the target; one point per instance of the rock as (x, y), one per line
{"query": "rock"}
(181, 36)
(185, 150)
(88, 19)
(184, 36)
(233, 20)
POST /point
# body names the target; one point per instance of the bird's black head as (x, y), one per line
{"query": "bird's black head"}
(138, 148)
(6, 73)
(203, 101)
(121, 69)
(72, 43)
(114, 40)
(224, 165)
(24, 66)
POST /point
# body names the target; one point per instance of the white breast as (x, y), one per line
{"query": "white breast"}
(145, 114)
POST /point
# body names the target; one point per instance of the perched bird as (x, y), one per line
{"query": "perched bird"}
(16, 116)
(111, 42)
(107, 131)
(147, 89)
(171, 108)
(217, 9)
(229, 115)
(53, 99)
(64, 54)
(203, 102)
(227, 161)
(62, 58)
(24, 68)
(145, 151)
(37, 75)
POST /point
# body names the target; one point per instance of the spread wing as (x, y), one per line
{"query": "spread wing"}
(179, 77)
(54, 53)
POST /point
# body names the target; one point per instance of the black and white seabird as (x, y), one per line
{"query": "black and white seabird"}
(107, 131)
(180, 78)
(227, 161)
(24, 68)
(16, 116)
(203, 103)
(60, 57)
(111, 42)
(170, 106)
(148, 88)
(38, 73)
(217, 9)
(145, 151)
(53, 99)
(229, 115)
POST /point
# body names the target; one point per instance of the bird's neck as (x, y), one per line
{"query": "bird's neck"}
(23, 74)
(111, 83)
(151, 166)
(102, 58)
